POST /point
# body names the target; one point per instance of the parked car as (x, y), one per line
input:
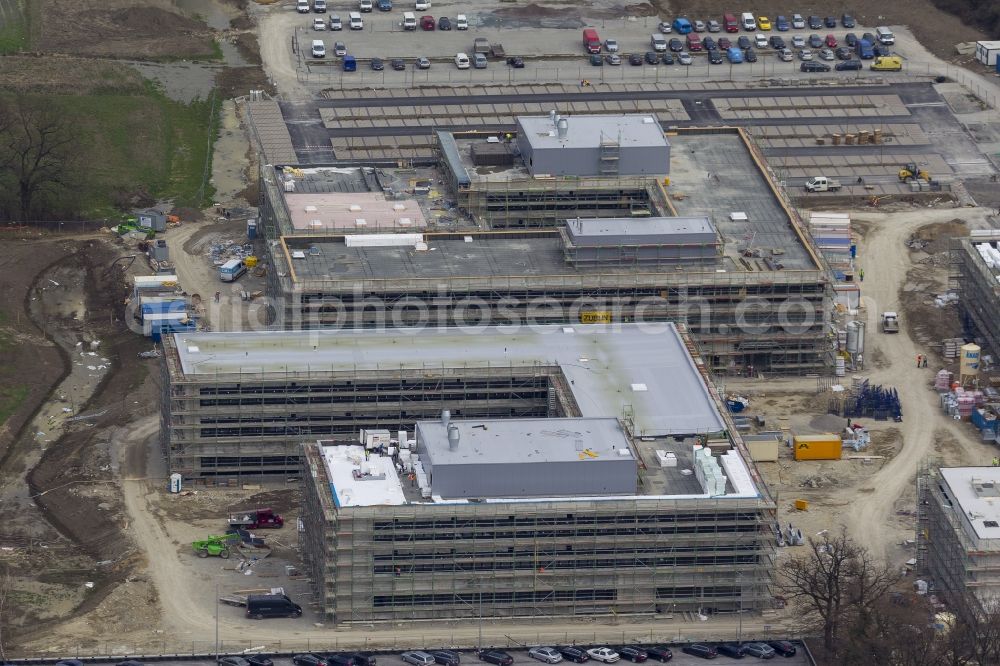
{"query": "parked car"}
(308, 660)
(815, 23)
(377, 64)
(750, 55)
(422, 5)
(798, 22)
(462, 61)
(730, 650)
(798, 41)
(759, 650)
(781, 24)
(665, 27)
(850, 39)
(444, 23)
(398, 64)
(385, 5)
(604, 654)
(652, 57)
(683, 58)
(336, 23)
(479, 61)
(446, 657)
(611, 45)
(699, 26)
(763, 23)
(427, 22)
(318, 48)
(784, 648)
(715, 57)
(676, 45)
(826, 54)
(667, 58)
(815, 41)
(496, 657)
(786, 55)
(847, 21)
(831, 41)
(713, 26)
(546, 655)
(423, 63)
(632, 653)
(843, 53)
(339, 49)
(635, 60)
(596, 59)
(870, 37)
(417, 658)
(805, 54)
(777, 42)
(258, 660)
(709, 44)
(700, 650)
(574, 654)
(660, 653)
(724, 43)
(830, 21)
(744, 42)
(613, 59)
(813, 66)
(881, 50)
(760, 41)
(517, 62)
(319, 24)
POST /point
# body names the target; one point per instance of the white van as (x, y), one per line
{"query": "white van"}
(355, 22)
(409, 21)
(422, 5)
(461, 61)
(461, 22)
(318, 49)
(658, 42)
(748, 21)
(335, 22)
(302, 6)
(319, 6)
(365, 5)
(884, 36)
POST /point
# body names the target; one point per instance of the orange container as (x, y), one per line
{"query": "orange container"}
(816, 447)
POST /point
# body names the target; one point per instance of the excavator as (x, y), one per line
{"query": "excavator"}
(911, 171)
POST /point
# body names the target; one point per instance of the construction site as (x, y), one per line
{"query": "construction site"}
(718, 250)
(977, 259)
(602, 503)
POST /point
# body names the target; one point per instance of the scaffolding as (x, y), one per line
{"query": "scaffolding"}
(978, 287)
(565, 557)
(965, 568)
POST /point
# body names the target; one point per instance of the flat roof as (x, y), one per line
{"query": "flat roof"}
(352, 211)
(357, 479)
(611, 370)
(587, 131)
(976, 492)
(524, 440)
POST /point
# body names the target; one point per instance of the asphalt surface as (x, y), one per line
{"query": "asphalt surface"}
(521, 658)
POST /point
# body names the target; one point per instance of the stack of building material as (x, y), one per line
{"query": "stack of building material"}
(832, 234)
(708, 472)
(951, 346)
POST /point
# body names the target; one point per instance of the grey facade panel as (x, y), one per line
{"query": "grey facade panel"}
(550, 479)
(642, 231)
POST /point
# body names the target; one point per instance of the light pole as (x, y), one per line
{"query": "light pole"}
(217, 623)
(739, 591)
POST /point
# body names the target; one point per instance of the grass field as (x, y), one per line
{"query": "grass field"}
(133, 138)
(13, 27)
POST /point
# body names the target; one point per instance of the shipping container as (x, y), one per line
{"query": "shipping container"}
(817, 447)
(763, 450)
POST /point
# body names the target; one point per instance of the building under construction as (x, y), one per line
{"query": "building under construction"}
(616, 491)
(976, 260)
(958, 534)
(720, 251)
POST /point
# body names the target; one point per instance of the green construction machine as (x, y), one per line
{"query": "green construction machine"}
(215, 546)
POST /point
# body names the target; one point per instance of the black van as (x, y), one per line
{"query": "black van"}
(260, 606)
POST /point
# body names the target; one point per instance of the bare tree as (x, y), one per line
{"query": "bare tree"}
(838, 583)
(38, 151)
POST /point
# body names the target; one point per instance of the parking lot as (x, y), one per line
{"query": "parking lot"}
(551, 49)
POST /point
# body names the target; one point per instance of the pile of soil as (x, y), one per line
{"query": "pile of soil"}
(136, 30)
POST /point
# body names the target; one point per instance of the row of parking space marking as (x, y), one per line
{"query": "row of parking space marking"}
(799, 136)
(489, 114)
(811, 106)
(384, 147)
